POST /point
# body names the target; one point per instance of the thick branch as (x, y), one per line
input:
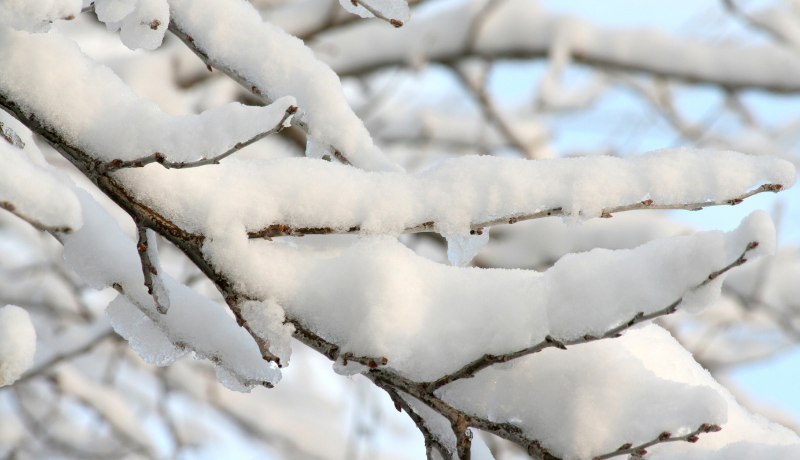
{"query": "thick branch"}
(549, 342)
(284, 230)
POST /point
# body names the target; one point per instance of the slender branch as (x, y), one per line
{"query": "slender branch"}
(40, 226)
(60, 357)
(149, 269)
(275, 230)
(488, 360)
(162, 160)
(431, 441)
(640, 450)
(396, 23)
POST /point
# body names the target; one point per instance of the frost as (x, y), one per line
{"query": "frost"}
(17, 343)
(461, 249)
(37, 15)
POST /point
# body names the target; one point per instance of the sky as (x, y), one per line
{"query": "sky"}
(776, 381)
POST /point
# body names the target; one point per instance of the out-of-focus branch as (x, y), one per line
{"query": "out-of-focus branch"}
(487, 360)
(394, 22)
(40, 226)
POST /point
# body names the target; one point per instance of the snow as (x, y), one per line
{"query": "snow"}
(277, 64)
(391, 9)
(461, 249)
(104, 257)
(524, 28)
(382, 300)
(37, 15)
(51, 202)
(142, 23)
(17, 343)
(454, 195)
(94, 110)
(267, 320)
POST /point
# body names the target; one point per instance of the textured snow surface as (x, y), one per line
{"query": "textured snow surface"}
(103, 256)
(142, 23)
(36, 15)
(304, 193)
(90, 106)
(377, 298)
(233, 35)
(593, 398)
(266, 320)
(17, 343)
(51, 201)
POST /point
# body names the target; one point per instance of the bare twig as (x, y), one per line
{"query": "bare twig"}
(276, 230)
(488, 360)
(162, 160)
(396, 23)
(40, 226)
(431, 441)
(149, 269)
(640, 450)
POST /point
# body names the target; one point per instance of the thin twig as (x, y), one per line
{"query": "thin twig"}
(396, 23)
(640, 450)
(431, 441)
(163, 161)
(47, 365)
(149, 269)
(40, 226)
(488, 360)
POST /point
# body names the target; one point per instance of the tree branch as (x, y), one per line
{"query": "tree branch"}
(161, 159)
(396, 23)
(39, 226)
(431, 441)
(639, 451)
(276, 230)
(488, 360)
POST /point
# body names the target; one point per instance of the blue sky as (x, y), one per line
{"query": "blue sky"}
(775, 381)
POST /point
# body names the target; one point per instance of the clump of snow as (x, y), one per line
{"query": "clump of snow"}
(142, 23)
(349, 369)
(37, 15)
(268, 321)
(104, 117)
(277, 64)
(453, 195)
(105, 257)
(461, 249)
(17, 343)
(51, 202)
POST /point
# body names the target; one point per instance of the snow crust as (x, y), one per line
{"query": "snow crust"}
(51, 201)
(36, 15)
(278, 64)
(47, 74)
(303, 193)
(17, 343)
